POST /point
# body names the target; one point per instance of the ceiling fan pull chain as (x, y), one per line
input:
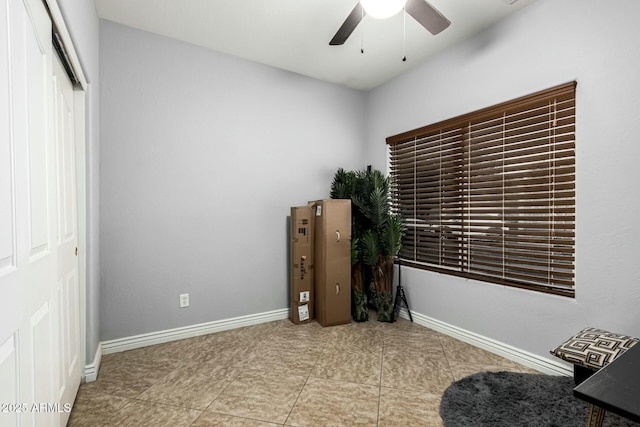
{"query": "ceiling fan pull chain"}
(404, 35)
(362, 33)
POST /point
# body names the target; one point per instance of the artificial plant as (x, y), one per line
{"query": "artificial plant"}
(377, 233)
(382, 241)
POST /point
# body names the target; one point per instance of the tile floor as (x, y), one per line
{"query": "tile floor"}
(281, 374)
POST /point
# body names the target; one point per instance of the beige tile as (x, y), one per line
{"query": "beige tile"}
(227, 352)
(203, 348)
(139, 413)
(408, 408)
(413, 372)
(285, 359)
(335, 403)
(356, 366)
(305, 332)
(288, 341)
(130, 377)
(458, 351)
(94, 409)
(373, 325)
(461, 370)
(266, 396)
(400, 326)
(414, 344)
(193, 386)
(258, 331)
(407, 337)
(356, 339)
(211, 419)
(404, 327)
(255, 375)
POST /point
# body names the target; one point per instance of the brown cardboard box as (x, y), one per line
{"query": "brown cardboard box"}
(332, 251)
(301, 245)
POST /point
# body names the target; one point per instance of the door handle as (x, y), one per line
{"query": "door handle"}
(337, 288)
(337, 235)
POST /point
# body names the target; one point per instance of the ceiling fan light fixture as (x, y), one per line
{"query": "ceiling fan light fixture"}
(382, 9)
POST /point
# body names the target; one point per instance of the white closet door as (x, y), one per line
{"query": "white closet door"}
(36, 280)
(67, 292)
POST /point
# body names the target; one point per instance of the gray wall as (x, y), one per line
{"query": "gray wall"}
(82, 22)
(547, 43)
(202, 154)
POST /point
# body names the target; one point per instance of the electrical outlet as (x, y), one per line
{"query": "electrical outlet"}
(184, 300)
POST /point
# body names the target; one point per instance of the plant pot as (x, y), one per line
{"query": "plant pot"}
(384, 300)
(360, 311)
(383, 279)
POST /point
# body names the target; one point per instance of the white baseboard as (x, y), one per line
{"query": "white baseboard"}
(159, 337)
(91, 370)
(534, 361)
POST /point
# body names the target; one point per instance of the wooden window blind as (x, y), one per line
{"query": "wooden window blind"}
(490, 195)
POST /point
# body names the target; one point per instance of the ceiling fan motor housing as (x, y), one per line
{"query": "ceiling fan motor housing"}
(382, 9)
(420, 10)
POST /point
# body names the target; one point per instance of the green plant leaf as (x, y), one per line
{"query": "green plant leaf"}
(355, 250)
(342, 184)
(371, 247)
(392, 233)
(375, 230)
(378, 209)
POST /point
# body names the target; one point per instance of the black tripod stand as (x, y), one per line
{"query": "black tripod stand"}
(400, 295)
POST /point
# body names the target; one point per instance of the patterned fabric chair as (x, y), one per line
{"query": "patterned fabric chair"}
(591, 349)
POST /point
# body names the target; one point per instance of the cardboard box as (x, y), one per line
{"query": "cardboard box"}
(302, 264)
(332, 252)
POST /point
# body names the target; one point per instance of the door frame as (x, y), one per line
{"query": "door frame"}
(79, 101)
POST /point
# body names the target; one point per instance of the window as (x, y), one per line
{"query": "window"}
(491, 195)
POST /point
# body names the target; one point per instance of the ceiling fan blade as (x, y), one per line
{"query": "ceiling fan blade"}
(348, 26)
(428, 16)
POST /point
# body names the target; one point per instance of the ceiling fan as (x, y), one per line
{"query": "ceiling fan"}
(426, 15)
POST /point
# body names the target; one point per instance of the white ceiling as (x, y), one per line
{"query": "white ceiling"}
(294, 34)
